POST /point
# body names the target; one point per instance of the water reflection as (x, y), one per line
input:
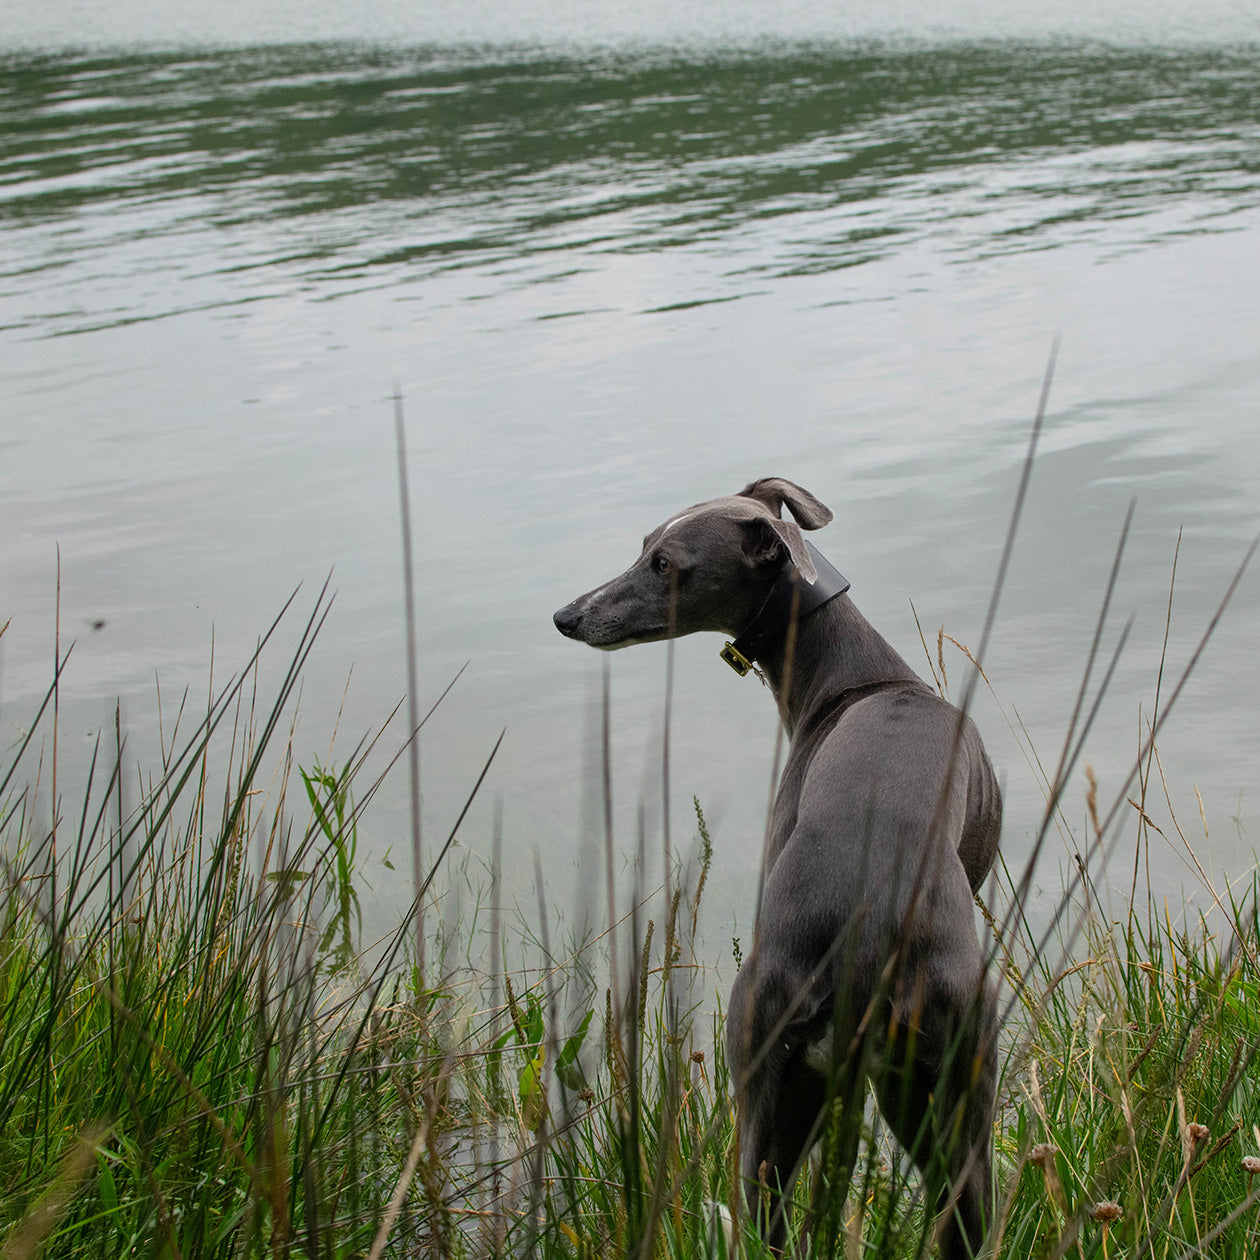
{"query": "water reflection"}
(408, 164)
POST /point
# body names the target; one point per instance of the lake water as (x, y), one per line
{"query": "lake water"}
(620, 260)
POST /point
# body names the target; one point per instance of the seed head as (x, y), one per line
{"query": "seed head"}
(1251, 1164)
(1198, 1132)
(697, 1056)
(1043, 1154)
(1107, 1211)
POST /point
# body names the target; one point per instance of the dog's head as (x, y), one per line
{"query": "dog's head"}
(707, 568)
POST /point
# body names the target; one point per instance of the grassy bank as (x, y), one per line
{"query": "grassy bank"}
(199, 1056)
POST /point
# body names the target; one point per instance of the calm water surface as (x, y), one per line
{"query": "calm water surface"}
(612, 281)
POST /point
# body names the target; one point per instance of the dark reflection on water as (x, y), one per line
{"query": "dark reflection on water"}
(455, 158)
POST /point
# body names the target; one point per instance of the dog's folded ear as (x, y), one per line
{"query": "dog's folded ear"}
(769, 541)
(774, 492)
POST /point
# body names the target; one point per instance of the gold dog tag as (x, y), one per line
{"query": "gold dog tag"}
(736, 659)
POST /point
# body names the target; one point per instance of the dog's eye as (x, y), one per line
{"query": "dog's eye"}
(661, 563)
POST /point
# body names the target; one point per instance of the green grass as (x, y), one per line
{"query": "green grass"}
(1147, 1033)
(198, 1056)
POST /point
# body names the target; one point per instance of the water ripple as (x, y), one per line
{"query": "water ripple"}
(329, 162)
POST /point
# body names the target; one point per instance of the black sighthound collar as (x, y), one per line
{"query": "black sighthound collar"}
(791, 593)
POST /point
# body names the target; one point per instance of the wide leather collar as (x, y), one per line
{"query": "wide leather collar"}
(792, 595)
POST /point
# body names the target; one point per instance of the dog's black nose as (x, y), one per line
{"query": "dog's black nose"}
(567, 620)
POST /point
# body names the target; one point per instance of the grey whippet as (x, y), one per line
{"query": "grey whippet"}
(866, 961)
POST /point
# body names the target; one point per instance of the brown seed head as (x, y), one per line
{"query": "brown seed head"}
(1107, 1211)
(697, 1056)
(1198, 1132)
(1251, 1164)
(1043, 1153)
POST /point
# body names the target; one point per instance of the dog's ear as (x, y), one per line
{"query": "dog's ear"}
(774, 492)
(769, 541)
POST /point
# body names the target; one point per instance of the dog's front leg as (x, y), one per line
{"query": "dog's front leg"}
(779, 1099)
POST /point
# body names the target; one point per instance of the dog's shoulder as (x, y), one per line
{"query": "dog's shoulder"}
(901, 732)
(902, 706)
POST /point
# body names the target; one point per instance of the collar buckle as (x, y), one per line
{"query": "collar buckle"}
(736, 659)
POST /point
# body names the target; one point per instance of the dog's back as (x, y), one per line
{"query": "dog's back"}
(867, 961)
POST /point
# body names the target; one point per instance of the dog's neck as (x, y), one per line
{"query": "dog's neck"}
(834, 649)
